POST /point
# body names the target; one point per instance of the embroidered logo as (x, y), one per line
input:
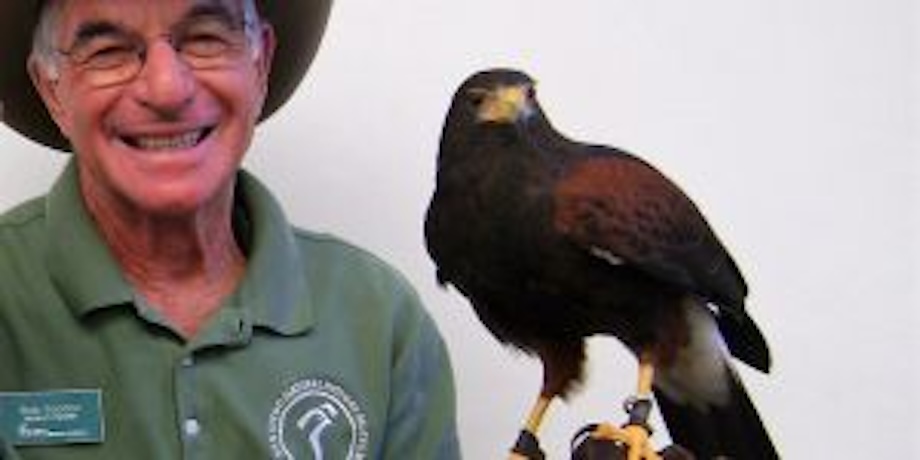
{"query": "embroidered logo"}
(317, 419)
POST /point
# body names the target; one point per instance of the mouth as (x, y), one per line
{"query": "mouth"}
(159, 142)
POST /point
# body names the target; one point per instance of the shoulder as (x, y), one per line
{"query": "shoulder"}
(23, 244)
(22, 230)
(324, 252)
(23, 215)
(355, 289)
(344, 276)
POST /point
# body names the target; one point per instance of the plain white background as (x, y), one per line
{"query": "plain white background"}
(792, 123)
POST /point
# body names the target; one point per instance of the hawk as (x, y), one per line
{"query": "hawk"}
(553, 240)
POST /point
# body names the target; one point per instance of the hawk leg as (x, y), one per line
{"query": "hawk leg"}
(527, 446)
(636, 433)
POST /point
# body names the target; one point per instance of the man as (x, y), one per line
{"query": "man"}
(156, 303)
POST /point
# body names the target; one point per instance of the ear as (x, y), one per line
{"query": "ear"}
(47, 87)
(267, 53)
(262, 64)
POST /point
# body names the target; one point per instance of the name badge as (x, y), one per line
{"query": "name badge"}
(51, 417)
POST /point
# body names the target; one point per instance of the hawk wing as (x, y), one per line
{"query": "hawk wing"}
(622, 209)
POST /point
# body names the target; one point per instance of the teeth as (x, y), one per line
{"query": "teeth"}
(182, 141)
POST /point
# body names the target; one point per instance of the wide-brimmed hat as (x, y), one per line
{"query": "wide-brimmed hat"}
(298, 24)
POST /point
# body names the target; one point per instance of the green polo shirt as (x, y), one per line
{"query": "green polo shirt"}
(323, 351)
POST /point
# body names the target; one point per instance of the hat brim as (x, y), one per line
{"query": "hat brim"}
(298, 24)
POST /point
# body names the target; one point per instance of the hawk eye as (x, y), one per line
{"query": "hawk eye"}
(477, 96)
(531, 92)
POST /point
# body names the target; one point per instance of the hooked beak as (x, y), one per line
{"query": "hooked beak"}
(505, 104)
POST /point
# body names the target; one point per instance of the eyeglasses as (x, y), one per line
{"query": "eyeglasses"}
(110, 55)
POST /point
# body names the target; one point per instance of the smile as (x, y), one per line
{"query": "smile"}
(180, 141)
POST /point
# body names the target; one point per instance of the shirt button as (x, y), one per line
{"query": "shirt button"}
(188, 361)
(192, 427)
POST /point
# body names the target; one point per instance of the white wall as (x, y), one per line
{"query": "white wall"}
(793, 124)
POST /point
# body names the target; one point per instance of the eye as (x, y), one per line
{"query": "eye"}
(476, 96)
(204, 45)
(209, 38)
(105, 54)
(531, 92)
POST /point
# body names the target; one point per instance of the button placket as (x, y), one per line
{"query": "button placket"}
(191, 427)
(189, 423)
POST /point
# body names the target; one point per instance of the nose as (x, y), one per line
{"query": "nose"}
(165, 84)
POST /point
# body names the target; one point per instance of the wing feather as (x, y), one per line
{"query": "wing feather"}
(622, 206)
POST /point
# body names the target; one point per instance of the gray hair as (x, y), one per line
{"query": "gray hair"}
(43, 51)
(45, 54)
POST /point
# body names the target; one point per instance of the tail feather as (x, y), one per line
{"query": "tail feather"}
(732, 430)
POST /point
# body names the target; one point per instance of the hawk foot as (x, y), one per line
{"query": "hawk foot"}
(635, 439)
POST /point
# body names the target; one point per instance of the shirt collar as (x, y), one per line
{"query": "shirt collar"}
(275, 289)
(273, 294)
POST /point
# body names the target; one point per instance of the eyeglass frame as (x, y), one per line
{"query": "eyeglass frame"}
(134, 47)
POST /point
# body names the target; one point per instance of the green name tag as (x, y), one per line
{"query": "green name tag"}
(51, 417)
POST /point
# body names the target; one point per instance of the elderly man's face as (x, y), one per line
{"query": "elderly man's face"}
(164, 133)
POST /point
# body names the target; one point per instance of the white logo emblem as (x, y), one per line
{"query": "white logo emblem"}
(316, 419)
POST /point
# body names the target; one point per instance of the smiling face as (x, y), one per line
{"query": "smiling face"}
(168, 139)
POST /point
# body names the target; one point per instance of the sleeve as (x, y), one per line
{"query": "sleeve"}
(422, 417)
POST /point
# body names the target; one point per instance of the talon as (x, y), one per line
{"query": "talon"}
(639, 444)
(608, 432)
(635, 439)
